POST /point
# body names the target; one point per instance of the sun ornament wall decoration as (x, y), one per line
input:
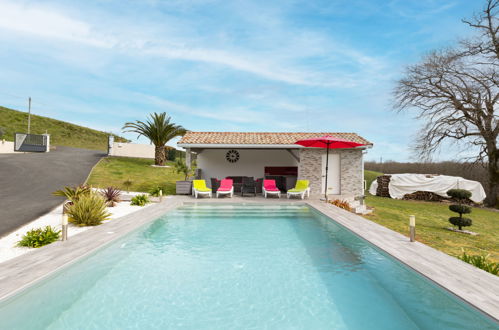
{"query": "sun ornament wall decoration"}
(232, 156)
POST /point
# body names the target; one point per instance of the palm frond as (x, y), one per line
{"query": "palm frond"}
(158, 128)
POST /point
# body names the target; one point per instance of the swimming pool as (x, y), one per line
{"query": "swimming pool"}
(239, 267)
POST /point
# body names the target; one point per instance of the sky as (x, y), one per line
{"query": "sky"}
(280, 66)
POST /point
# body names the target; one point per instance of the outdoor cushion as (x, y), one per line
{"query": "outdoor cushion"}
(200, 185)
(225, 185)
(300, 186)
(270, 185)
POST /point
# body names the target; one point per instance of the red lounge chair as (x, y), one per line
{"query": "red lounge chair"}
(270, 188)
(226, 188)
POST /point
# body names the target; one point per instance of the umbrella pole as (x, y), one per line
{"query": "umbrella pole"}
(327, 163)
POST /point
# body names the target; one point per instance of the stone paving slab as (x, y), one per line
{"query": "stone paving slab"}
(467, 282)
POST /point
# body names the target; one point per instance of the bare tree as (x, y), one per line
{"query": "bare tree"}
(456, 93)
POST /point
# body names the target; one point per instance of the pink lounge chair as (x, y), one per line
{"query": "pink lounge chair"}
(226, 188)
(270, 188)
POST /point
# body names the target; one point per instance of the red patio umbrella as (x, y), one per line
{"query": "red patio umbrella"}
(328, 142)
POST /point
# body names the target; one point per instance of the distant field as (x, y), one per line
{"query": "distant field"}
(113, 171)
(431, 221)
(61, 133)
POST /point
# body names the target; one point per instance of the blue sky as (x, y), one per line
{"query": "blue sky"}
(225, 65)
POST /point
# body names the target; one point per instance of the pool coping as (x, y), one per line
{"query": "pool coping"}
(475, 286)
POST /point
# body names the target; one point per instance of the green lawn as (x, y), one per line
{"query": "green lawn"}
(113, 171)
(61, 132)
(431, 221)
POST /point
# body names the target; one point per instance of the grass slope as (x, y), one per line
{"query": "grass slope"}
(113, 171)
(61, 133)
(431, 221)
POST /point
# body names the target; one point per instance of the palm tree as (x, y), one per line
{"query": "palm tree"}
(159, 130)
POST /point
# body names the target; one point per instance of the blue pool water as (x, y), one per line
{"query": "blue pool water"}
(239, 267)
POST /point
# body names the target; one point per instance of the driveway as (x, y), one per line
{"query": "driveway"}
(28, 180)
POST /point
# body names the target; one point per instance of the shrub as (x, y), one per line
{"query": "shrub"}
(481, 262)
(460, 195)
(140, 200)
(461, 209)
(111, 196)
(341, 204)
(39, 237)
(460, 222)
(73, 193)
(2, 132)
(171, 153)
(128, 184)
(89, 210)
(155, 191)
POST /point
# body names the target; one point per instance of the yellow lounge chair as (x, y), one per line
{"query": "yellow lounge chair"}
(301, 189)
(199, 188)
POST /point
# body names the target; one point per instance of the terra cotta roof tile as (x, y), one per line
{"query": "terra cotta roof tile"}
(261, 138)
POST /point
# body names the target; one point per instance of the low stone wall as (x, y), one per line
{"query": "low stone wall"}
(6, 147)
(131, 150)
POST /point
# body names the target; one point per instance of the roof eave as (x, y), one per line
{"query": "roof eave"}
(249, 146)
(238, 146)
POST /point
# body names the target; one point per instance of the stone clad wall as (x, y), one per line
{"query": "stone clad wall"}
(310, 168)
(352, 181)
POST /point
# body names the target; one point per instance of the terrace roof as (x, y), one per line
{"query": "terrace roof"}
(255, 139)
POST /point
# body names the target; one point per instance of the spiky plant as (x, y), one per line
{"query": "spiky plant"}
(89, 210)
(111, 195)
(73, 194)
(181, 168)
(159, 130)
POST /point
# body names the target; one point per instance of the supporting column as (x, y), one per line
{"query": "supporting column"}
(110, 145)
(188, 157)
(47, 137)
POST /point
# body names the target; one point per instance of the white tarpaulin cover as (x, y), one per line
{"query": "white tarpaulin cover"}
(401, 184)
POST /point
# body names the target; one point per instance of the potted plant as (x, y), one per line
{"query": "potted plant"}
(184, 187)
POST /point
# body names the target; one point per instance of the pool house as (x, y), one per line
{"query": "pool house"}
(277, 156)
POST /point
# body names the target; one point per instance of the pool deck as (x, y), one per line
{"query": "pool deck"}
(467, 282)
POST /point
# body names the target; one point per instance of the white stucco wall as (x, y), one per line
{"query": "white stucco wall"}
(6, 147)
(213, 164)
(132, 150)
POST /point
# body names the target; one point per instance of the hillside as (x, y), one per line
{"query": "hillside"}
(61, 133)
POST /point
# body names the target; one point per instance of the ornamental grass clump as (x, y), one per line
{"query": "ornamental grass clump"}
(89, 210)
(460, 195)
(39, 237)
(481, 261)
(111, 195)
(341, 204)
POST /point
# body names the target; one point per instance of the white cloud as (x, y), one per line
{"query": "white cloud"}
(280, 62)
(48, 23)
